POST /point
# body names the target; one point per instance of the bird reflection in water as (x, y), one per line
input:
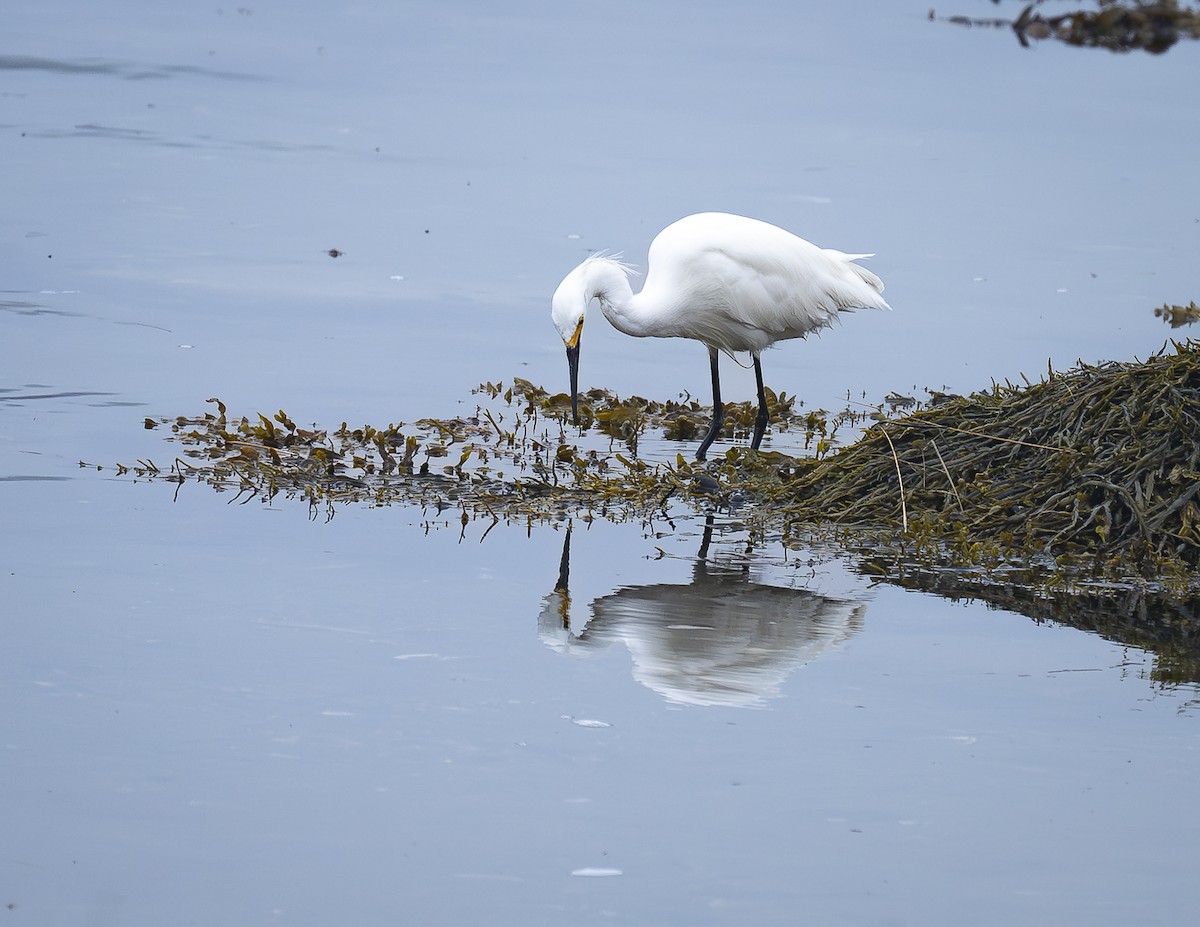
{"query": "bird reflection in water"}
(721, 639)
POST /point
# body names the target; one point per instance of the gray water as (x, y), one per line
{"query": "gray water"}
(225, 713)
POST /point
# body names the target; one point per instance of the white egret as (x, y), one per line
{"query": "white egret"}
(733, 283)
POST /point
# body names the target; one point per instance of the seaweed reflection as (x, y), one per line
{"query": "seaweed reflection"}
(721, 639)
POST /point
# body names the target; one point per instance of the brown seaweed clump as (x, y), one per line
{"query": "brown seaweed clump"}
(1178, 316)
(1088, 475)
(1150, 25)
(1096, 470)
(1075, 499)
(1147, 25)
(515, 458)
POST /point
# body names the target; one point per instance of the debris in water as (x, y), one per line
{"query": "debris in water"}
(1149, 25)
(1178, 316)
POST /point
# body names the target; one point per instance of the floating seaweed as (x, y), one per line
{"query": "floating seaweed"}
(1178, 316)
(514, 459)
(1077, 495)
(1148, 25)
(1095, 471)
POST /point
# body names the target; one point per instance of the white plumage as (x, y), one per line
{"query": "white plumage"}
(732, 283)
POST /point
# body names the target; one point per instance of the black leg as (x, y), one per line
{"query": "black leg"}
(718, 418)
(760, 421)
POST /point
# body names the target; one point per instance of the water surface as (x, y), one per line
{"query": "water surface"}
(228, 713)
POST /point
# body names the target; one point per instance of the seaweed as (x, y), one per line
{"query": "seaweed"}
(514, 459)
(1178, 316)
(1094, 472)
(1075, 498)
(1147, 25)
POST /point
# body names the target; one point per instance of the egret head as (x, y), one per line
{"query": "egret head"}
(603, 277)
(568, 309)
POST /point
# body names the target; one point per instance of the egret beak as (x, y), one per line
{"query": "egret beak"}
(573, 365)
(572, 344)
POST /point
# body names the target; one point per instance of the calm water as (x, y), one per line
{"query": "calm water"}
(230, 714)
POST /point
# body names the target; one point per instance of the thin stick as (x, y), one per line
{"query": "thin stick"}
(903, 506)
(912, 421)
(949, 478)
(983, 434)
(499, 433)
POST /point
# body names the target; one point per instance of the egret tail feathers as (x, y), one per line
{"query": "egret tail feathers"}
(870, 279)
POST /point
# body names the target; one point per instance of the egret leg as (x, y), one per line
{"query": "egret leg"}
(760, 421)
(718, 418)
